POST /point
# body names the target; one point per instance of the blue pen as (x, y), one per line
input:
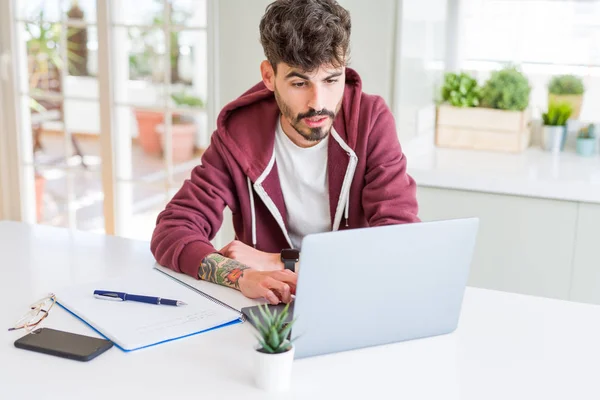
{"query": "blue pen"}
(121, 296)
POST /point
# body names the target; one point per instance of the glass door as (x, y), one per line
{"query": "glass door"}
(113, 105)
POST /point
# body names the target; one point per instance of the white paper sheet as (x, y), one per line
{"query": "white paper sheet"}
(133, 325)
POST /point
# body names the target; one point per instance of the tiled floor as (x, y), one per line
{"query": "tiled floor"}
(82, 187)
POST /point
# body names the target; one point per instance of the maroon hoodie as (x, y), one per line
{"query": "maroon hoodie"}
(368, 183)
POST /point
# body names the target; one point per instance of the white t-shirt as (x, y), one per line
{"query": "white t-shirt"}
(305, 186)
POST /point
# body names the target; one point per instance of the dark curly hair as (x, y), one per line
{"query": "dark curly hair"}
(306, 33)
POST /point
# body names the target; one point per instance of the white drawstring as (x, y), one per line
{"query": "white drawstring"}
(251, 194)
(347, 208)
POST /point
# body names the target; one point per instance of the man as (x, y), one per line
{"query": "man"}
(301, 152)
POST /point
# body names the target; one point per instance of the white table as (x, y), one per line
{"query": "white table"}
(507, 346)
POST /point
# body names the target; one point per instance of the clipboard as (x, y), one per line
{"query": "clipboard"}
(133, 325)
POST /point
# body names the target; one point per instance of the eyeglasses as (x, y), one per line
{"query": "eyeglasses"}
(38, 311)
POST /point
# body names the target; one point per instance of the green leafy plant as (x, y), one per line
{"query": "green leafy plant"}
(43, 57)
(273, 330)
(184, 99)
(587, 132)
(565, 85)
(461, 90)
(506, 89)
(187, 100)
(77, 41)
(558, 114)
(43, 52)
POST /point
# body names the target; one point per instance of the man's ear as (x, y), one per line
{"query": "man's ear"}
(268, 75)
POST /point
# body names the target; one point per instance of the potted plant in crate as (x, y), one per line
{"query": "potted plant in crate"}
(460, 93)
(586, 140)
(567, 89)
(461, 90)
(274, 354)
(497, 117)
(507, 89)
(554, 131)
(183, 128)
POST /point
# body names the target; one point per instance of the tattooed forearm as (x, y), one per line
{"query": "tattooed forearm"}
(221, 270)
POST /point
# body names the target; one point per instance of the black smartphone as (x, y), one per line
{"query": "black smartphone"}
(63, 344)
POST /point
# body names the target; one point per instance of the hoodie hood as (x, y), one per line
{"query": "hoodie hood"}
(246, 126)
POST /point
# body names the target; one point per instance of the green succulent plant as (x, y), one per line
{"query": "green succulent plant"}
(461, 90)
(506, 89)
(558, 114)
(587, 132)
(273, 330)
(565, 85)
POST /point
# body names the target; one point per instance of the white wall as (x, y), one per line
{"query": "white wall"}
(372, 44)
(240, 52)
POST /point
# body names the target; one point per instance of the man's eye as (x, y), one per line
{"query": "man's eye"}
(298, 84)
(331, 81)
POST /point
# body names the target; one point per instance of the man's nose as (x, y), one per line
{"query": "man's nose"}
(316, 99)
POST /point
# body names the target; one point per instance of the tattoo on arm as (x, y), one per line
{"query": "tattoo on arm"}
(221, 270)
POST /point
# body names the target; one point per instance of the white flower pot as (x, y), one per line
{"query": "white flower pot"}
(554, 138)
(273, 372)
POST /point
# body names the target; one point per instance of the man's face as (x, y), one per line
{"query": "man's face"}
(309, 100)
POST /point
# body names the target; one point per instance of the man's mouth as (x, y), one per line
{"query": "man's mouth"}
(315, 122)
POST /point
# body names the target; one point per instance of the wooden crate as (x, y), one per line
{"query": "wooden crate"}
(482, 129)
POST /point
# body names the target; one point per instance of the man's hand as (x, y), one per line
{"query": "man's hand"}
(275, 286)
(251, 257)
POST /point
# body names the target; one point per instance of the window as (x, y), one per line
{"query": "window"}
(109, 160)
(544, 37)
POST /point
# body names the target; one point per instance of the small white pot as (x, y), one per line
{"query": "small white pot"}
(273, 372)
(554, 138)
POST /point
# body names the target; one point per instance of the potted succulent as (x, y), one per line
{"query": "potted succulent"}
(554, 131)
(274, 353)
(493, 117)
(586, 140)
(183, 128)
(567, 89)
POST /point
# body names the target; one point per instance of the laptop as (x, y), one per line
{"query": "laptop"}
(373, 286)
